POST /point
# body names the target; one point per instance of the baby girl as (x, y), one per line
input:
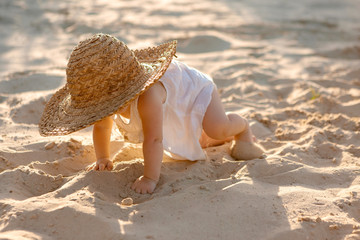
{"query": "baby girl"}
(152, 98)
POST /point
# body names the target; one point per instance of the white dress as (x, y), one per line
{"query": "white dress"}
(188, 96)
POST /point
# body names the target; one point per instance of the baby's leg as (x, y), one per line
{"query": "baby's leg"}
(221, 126)
(206, 141)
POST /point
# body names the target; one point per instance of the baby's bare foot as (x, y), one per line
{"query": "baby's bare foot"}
(241, 150)
(245, 146)
(246, 135)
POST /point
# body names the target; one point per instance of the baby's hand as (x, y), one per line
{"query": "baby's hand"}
(144, 185)
(102, 164)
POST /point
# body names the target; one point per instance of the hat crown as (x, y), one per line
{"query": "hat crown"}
(100, 65)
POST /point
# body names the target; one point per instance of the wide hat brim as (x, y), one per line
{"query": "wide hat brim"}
(60, 117)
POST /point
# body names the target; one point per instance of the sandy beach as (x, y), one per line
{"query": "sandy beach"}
(291, 67)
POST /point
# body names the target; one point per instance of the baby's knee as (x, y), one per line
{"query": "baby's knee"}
(217, 132)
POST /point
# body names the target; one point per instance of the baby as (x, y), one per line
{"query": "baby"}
(165, 104)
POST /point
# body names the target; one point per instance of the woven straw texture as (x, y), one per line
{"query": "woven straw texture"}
(102, 76)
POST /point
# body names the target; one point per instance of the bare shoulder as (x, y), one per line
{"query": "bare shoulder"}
(150, 102)
(155, 95)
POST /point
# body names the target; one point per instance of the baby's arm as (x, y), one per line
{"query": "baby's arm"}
(101, 139)
(150, 110)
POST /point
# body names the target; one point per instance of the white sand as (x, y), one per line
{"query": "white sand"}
(291, 67)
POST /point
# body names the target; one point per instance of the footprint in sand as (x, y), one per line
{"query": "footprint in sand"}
(351, 52)
(203, 44)
(29, 183)
(29, 81)
(29, 113)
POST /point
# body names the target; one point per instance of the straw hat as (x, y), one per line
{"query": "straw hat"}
(102, 76)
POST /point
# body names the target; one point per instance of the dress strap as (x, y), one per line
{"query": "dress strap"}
(131, 128)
